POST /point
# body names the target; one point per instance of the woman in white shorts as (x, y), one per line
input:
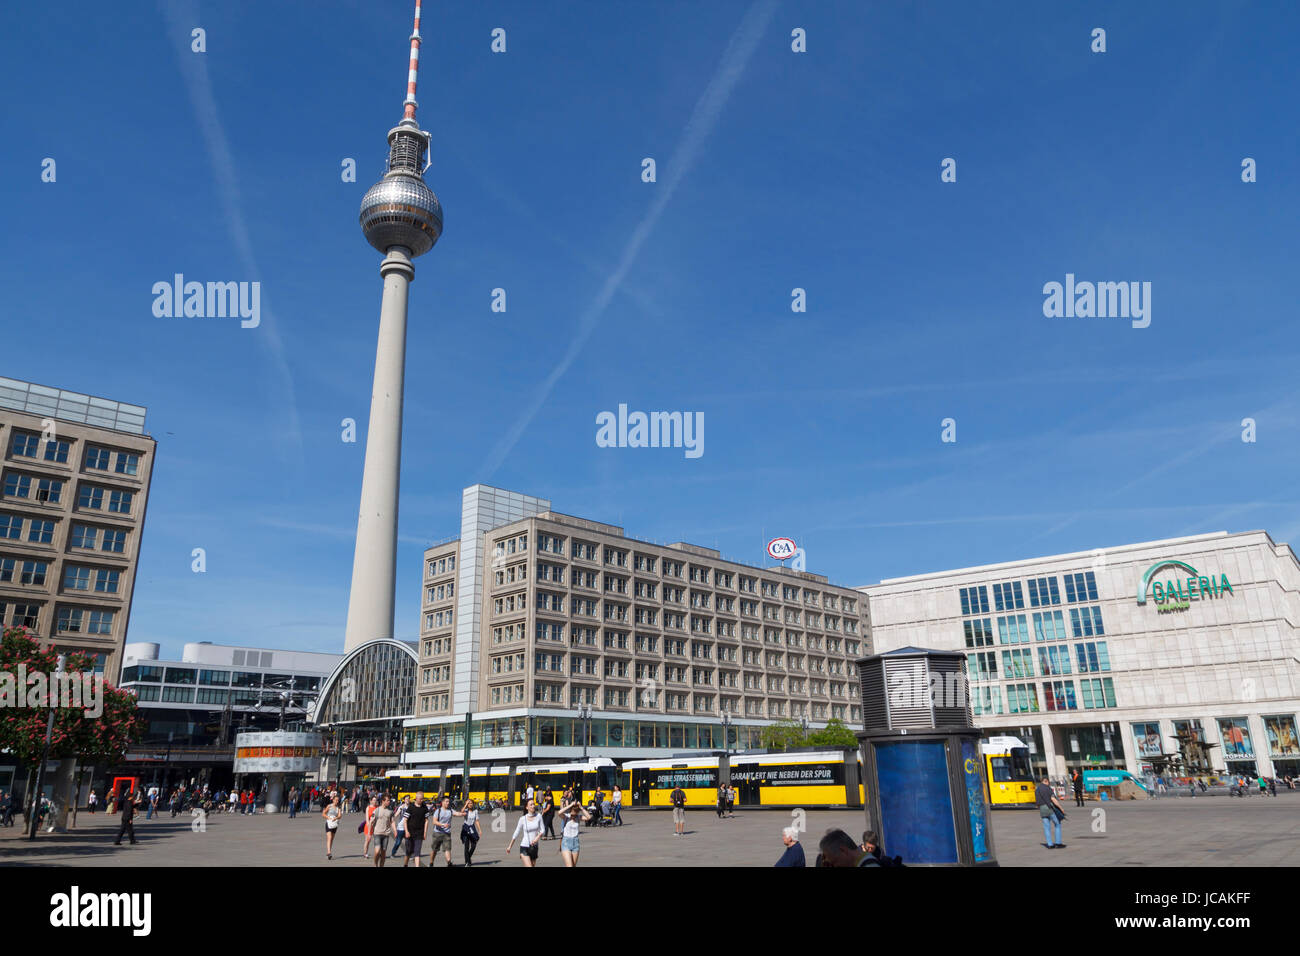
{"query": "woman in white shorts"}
(569, 845)
(332, 813)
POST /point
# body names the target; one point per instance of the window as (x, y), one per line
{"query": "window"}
(1092, 658)
(1013, 630)
(57, 451)
(178, 695)
(1008, 597)
(106, 580)
(1043, 591)
(987, 700)
(1059, 695)
(179, 675)
(17, 485)
(49, 489)
(1018, 663)
(1086, 622)
(83, 536)
(76, 579)
(101, 622)
(1022, 699)
(1080, 587)
(127, 463)
(11, 526)
(90, 497)
(26, 615)
(217, 678)
(974, 600)
(34, 573)
(979, 632)
(96, 458)
(1049, 626)
(1097, 693)
(69, 620)
(1054, 660)
(120, 502)
(983, 666)
(24, 444)
(114, 540)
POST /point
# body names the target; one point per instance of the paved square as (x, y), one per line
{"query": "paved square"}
(1174, 831)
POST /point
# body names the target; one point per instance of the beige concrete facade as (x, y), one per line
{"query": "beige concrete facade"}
(575, 613)
(72, 508)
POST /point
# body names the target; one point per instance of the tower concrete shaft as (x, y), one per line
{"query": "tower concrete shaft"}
(371, 607)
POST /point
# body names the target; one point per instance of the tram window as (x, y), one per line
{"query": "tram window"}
(1020, 763)
(1001, 769)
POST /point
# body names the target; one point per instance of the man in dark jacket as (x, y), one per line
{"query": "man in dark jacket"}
(793, 855)
(127, 825)
(1077, 777)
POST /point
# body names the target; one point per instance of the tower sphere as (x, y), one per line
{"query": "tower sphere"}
(400, 210)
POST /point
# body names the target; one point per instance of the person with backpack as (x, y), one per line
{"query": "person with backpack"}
(1051, 812)
(440, 824)
(678, 800)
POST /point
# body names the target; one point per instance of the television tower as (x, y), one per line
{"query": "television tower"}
(402, 218)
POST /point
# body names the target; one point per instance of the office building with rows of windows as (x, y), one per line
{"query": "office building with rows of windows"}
(531, 615)
(75, 481)
(1121, 657)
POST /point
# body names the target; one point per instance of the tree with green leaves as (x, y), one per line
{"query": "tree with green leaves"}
(835, 734)
(783, 735)
(76, 736)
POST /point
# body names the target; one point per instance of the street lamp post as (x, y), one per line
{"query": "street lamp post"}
(585, 713)
(35, 809)
(726, 731)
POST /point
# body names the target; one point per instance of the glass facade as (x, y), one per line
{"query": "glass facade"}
(548, 731)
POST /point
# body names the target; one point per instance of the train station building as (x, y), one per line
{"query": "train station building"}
(1123, 657)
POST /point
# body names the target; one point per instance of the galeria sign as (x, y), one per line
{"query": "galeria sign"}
(1178, 593)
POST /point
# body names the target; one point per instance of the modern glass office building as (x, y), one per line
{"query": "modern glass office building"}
(1122, 657)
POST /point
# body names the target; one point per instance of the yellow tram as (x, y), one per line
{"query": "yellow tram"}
(1011, 780)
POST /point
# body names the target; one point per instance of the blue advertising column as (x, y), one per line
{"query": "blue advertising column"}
(927, 795)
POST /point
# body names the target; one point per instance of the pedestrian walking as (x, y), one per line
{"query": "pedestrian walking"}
(6, 809)
(92, 801)
(127, 826)
(331, 815)
(573, 816)
(529, 833)
(617, 801)
(722, 800)
(440, 831)
(470, 830)
(731, 800)
(293, 802)
(1051, 812)
(399, 825)
(381, 828)
(548, 814)
(678, 799)
(371, 807)
(1077, 777)
(175, 802)
(417, 825)
(793, 855)
(837, 849)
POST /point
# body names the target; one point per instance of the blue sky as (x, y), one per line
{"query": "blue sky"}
(776, 170)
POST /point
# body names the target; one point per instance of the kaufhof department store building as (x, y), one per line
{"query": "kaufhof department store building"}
(1117, 657)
